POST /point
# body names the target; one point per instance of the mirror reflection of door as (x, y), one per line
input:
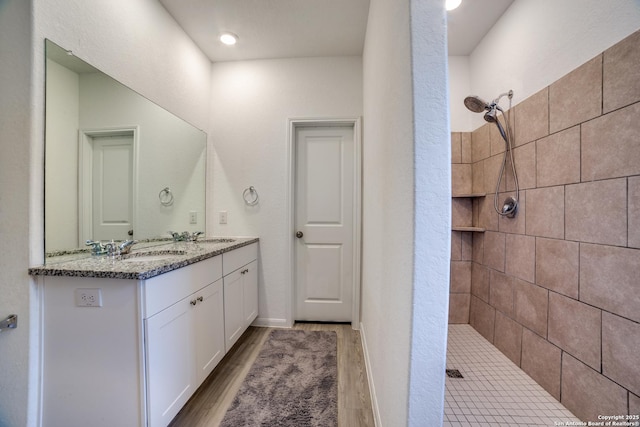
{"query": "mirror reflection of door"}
(112, 182)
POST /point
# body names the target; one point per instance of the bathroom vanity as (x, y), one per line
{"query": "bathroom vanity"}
(128, 340)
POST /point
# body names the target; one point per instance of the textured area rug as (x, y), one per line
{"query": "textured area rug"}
(293, 382)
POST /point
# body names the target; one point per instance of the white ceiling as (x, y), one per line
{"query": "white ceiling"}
(303, 28)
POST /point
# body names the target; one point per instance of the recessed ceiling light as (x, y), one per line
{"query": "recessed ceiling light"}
(452, 4)
(228, 38)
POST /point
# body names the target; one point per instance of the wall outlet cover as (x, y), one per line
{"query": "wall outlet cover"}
(88, 297)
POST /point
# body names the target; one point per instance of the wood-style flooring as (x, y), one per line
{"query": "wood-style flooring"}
(207, 406)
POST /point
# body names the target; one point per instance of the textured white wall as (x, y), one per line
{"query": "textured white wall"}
(459, 88)
(252, 101)
(432, 220)
(388, 208)
(536, 42)
(406, 208)
(139, 44)
(16, 194)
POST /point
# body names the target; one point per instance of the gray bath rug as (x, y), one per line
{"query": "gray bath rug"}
(293, 382)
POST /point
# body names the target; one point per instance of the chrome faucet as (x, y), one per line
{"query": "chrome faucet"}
(110, 248)
(185, 236)
(125, 247)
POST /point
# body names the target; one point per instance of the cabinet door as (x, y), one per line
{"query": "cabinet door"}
(250, 292)
(233, 309)
(209, 327)
(170, 361)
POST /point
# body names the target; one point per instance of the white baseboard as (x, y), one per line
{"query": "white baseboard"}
(265, 322)
(372, 389)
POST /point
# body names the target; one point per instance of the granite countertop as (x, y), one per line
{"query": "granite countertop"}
(154, 260)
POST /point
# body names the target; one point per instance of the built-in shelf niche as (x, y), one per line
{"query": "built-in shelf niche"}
(470, 228)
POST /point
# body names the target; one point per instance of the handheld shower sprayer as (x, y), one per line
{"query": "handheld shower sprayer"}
(478, 105)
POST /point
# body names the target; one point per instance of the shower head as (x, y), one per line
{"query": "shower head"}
(475, 104)
(491, 116)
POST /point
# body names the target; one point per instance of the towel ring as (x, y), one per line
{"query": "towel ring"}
(166, 196)
(250, 196)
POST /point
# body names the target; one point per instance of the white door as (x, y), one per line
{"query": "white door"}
(112, 183)
(324, 206)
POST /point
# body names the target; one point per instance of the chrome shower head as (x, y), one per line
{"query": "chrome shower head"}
(475, 104)
(490, 116)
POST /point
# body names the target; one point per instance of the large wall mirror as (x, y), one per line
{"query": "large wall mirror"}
(117, 166)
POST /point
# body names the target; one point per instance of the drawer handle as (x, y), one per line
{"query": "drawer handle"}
(246, 270)
(193, 302)
(200, 299)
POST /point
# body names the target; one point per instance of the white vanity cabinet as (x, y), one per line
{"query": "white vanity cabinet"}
(240, 291)
(185, 339)
(137, 355)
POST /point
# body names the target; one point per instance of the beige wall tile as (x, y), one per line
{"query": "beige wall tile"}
(478, 248)
(497, 143)
(596, 212)
(525, 159)
(517, 223)
(456, 147)
(501, 292)
(634, 212)
(531, 306)
(494, 250)
(575, 327)
(609, 279)
(460, 277)
(461, 179)
(459, 308)
(466, 147)
(557, 263)
(520, 256)
(558, 158)
(456, 246)
(545, 212)
(492, 173)
(508, 337)
(480, 144)
(480, 281)
(461, 212)
(610, 147)
(482, 317)
(487, 216)
(620, 351)
(477, 173)
(621, 74)
(588, 394)
(542, 361)
(532, 118)
(466, 241)
(576, 97)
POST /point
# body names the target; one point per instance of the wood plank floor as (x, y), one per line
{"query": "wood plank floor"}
(207, 406)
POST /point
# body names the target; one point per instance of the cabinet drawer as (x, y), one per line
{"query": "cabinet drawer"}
(162, 291)
(235, 259)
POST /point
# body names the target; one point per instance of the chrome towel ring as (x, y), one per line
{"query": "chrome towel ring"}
(166, 196)
(250, 196)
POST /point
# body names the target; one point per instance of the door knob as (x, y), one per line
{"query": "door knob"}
(299, 234)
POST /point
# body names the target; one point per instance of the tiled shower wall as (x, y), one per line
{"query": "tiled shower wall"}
(557, 288)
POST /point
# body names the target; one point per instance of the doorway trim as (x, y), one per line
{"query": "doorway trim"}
(85, 175)
(292, 125)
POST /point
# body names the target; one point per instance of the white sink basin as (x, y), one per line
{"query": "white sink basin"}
(151, 256)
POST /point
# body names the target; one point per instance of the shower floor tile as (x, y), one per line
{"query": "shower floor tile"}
(494, 391)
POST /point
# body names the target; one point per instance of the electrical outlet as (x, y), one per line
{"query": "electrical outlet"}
(223, 217)
(193, 217)
(90, 297)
